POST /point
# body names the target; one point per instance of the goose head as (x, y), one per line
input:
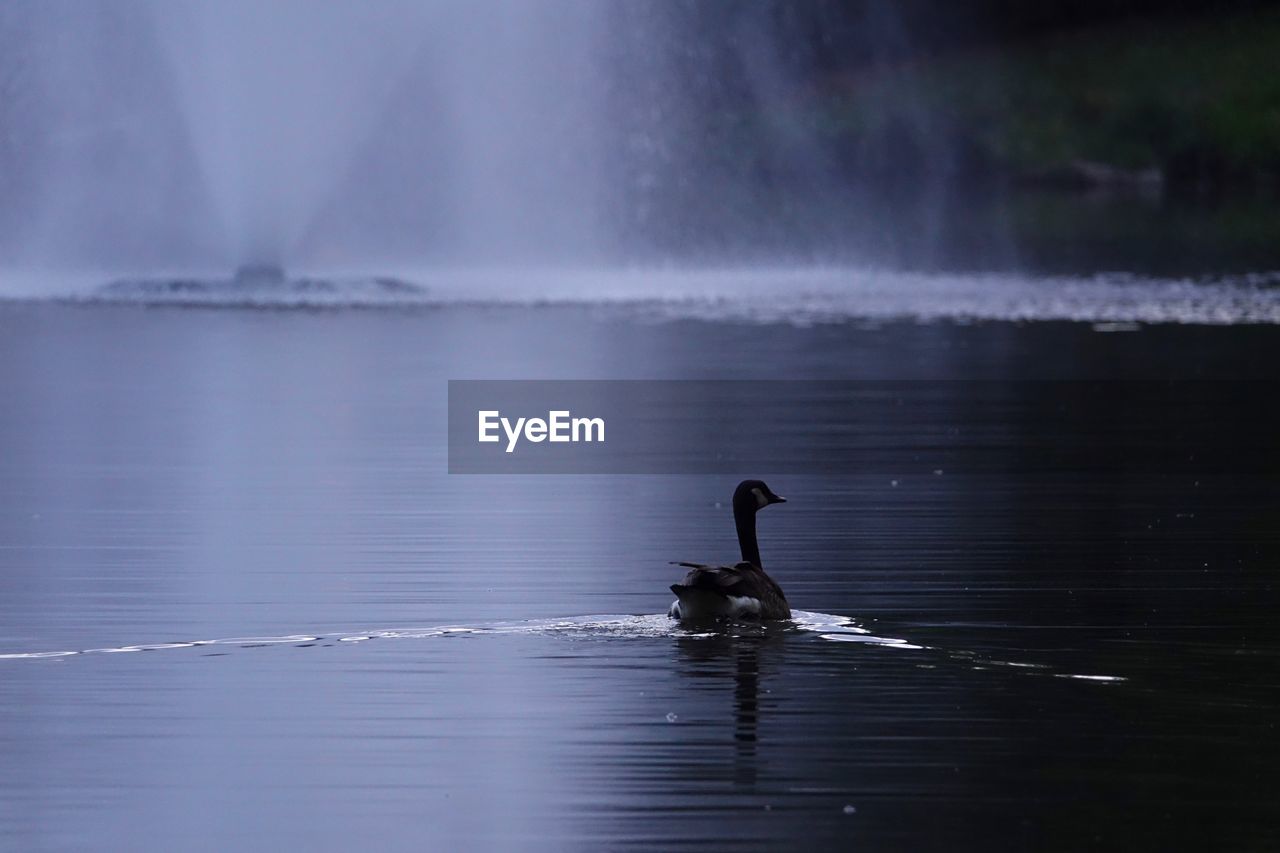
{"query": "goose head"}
(752, 496)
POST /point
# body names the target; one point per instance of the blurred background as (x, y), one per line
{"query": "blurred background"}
(1059, 136)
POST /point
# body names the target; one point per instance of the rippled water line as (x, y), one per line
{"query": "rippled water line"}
(243, 642)
(617, 626)
(825, 626)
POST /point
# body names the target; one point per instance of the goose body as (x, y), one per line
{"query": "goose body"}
(740, 591)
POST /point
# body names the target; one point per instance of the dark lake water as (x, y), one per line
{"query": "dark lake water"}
(1012, 659)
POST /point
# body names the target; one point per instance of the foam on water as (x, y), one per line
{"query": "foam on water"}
(758, 295)
(826, 626)
(822, 626)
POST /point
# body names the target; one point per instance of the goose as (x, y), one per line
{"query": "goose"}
(742, 591)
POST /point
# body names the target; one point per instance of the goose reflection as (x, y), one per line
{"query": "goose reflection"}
(715, 661)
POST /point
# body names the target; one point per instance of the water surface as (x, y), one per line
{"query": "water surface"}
(1086, 660)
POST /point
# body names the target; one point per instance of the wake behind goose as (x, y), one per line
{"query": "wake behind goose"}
(803, 624)
(605, 626)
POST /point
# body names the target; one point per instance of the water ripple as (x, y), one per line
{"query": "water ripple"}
(822, 626)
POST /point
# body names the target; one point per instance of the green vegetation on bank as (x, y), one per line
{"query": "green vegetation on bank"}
(1193, 101)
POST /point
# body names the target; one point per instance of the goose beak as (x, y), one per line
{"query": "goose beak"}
(777, 499)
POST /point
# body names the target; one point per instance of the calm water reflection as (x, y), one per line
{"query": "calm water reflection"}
(174, 475)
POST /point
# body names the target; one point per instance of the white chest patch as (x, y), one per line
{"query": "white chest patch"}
(709, 606)
(741, 605)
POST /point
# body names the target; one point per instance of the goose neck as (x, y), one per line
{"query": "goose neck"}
(745, 519)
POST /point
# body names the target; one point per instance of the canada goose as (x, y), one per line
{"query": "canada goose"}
(741, 591)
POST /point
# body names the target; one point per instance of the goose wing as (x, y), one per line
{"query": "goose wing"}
(742, 579)
(725, 580)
